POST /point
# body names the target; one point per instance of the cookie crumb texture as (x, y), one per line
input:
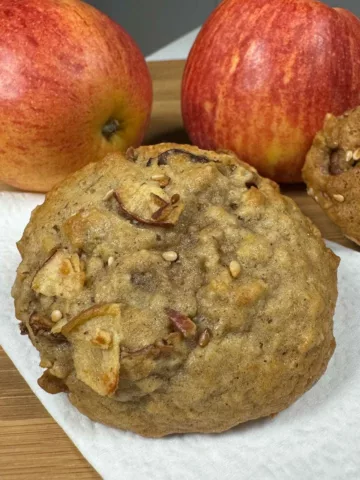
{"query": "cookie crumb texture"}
(332, 171)
(175, 290)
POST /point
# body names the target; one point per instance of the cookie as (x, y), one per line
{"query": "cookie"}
(175, 290)
(332, 171)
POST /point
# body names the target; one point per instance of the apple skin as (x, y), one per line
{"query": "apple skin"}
(66, 70)
(262, 75)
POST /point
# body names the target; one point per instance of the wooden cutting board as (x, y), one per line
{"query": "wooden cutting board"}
(32, 445)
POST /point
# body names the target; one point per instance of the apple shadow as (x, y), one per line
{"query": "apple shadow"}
(8, 188)
(178, 135)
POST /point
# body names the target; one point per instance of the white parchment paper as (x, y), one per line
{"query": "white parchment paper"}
(317, 438)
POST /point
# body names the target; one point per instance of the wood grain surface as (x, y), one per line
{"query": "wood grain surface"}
(32, 445)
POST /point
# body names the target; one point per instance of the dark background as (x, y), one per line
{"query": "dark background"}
(155, 23)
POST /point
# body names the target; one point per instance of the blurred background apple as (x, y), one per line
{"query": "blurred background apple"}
(262, 75)
(73, 87)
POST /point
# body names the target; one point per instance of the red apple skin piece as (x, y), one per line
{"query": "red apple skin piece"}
(65, 70)
(263, 74)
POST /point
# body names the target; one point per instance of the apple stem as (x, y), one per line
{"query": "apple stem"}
(110, 128)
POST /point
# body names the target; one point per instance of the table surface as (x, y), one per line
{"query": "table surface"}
(31, 444)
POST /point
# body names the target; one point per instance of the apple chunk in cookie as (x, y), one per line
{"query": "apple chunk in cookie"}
(146, 200)
(95, 335)
(61, 275)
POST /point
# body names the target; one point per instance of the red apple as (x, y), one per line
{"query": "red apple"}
(262, 75)
(73, 87)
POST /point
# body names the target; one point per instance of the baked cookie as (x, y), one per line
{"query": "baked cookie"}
(332, 171)
(175, 290)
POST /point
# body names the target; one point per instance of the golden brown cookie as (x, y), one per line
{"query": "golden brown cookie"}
(332, 171)
(175, 290)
